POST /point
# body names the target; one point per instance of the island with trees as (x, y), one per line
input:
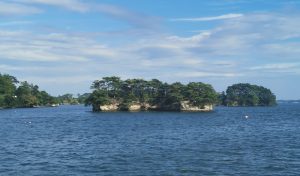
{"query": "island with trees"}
(245, 94)
(114, 94)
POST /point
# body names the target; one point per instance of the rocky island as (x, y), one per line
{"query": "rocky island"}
(114, 94)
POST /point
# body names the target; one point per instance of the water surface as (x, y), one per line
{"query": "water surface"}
(71, 140)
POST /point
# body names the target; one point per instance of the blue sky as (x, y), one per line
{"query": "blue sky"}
(63, 45)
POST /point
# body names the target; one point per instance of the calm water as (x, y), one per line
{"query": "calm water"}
(71, 140)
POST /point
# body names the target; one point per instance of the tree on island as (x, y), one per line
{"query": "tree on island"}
(7, 90)
(24, 94)
(245, 94)
(110, 90)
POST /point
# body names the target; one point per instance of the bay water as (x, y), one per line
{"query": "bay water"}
(72, 140)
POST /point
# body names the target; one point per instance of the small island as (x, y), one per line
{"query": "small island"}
(114, 94)
(245, 94)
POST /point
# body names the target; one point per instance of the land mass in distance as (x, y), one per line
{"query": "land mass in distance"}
(114, 94)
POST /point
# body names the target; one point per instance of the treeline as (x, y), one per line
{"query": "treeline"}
(154, 92)
(109, 90)
(69, 99)
(247, 95)
(21, 94)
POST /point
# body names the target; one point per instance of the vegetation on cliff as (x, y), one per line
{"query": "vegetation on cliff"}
(112, 90)
(247, 95)
(16, 94)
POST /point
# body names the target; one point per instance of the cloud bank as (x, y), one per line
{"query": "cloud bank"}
(134, 18)
(221, 17)
(241, 47)
(7, 9)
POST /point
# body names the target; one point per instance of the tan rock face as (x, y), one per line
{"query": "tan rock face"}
(141, 107)
(184, 106)
(187, 106)
(147, 106)
(110, 107)
(135, 107)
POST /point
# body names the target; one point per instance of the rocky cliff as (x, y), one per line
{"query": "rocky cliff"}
(187, 106)
(136, 106)
(110, 107)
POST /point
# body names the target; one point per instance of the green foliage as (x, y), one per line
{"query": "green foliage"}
(46, 99)
(24, 95)
(200, 94)
(248, 95)
(7, 90)
(7, 84)
(152, 92)
(67, 99)
(97, 98)
(82, 98)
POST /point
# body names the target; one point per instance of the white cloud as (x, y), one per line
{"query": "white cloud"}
(195, 38)
(136, 19)
(17, 9)
(68, 4)
(60, 80)
(52, 47)
(15, 23)
(276, 67)
(207, 74)
(236, 49)
(286, 50)
(213, 18)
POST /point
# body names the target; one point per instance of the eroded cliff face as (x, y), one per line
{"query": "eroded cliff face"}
(136, 106)
(187, 106)
(110, 107)
(140, 107)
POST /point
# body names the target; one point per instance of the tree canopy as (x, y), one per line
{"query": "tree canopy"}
(24, 94)
(110, 89)
(245, 94)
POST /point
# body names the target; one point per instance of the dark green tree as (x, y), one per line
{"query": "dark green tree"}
(24, 95)
(245, 94)
(153, 92)
(97, 98)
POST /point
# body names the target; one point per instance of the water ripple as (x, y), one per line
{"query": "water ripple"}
(70, 140)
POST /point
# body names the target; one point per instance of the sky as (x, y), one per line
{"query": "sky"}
(64, 45)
